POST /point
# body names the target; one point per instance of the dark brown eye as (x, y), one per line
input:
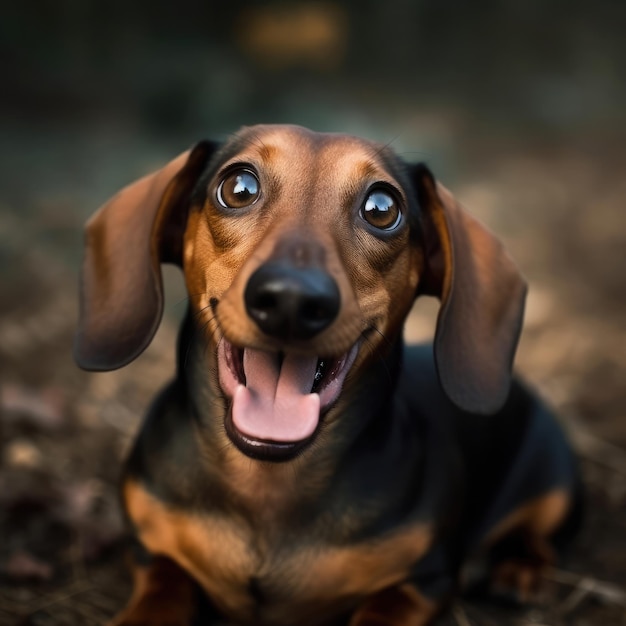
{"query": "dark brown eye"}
(381, 210)
(238, 190)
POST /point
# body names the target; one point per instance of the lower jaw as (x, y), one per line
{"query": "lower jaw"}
(261, 450)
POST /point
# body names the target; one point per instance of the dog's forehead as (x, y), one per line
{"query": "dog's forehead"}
(279, 145)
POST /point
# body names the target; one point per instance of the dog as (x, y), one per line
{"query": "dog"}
(305, 466)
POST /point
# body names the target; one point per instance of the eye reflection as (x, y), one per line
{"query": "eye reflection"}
(238, 190)
(381, 210)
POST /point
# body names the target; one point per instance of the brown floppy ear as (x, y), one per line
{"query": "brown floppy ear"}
(121, 292)
(482, 300)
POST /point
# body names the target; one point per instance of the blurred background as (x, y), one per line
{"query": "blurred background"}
(520, 108)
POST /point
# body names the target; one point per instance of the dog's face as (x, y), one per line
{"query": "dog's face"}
(302, 256)
(302, 253)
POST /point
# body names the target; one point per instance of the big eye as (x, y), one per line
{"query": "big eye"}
(238, 190)
(381, 210)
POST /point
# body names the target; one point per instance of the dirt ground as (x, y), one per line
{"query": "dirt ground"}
(560, 209)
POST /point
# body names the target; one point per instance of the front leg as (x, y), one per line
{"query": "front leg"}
(163, 595)
(402, 605)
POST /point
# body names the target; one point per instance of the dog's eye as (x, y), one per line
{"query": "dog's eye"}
(238, 190)
(381, 210)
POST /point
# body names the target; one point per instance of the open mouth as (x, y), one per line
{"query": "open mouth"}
(277, 398)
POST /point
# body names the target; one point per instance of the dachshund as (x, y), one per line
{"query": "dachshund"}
(305, 465)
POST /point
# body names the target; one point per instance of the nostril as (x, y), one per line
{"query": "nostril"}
(265, 295)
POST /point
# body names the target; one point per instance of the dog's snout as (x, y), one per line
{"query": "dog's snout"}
(292, 303)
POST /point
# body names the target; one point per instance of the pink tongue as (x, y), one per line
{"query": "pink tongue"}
(275, 404)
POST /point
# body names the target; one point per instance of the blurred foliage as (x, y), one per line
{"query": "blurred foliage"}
(552, 63)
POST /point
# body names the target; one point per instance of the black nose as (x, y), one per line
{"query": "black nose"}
(290, 302)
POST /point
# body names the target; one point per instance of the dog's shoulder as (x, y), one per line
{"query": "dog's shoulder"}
(166, 455)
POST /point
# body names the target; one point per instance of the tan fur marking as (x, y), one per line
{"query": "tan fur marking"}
(318, 579)
(372, 566)
(210, 549)
(539, 517)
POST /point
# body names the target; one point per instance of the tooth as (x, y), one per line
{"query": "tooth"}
(319, 372)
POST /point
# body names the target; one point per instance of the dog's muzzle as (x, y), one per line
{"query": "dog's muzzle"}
(278, 397)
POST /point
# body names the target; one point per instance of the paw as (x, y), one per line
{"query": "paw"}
(149, 616)
(396, 606)
(517, 581)
(517, 578)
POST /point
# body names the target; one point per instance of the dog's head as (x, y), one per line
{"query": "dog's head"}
(302, 253)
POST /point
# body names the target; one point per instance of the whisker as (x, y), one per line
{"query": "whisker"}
(259, 142)
(383, 336)
(382, 148)
(200, 311)
(180, 302)
(201, 331)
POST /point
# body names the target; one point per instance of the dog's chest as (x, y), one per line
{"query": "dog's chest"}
(253, 576)
(251, 579)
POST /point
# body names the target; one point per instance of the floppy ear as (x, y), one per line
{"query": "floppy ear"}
(482, 300)
(121, 291)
